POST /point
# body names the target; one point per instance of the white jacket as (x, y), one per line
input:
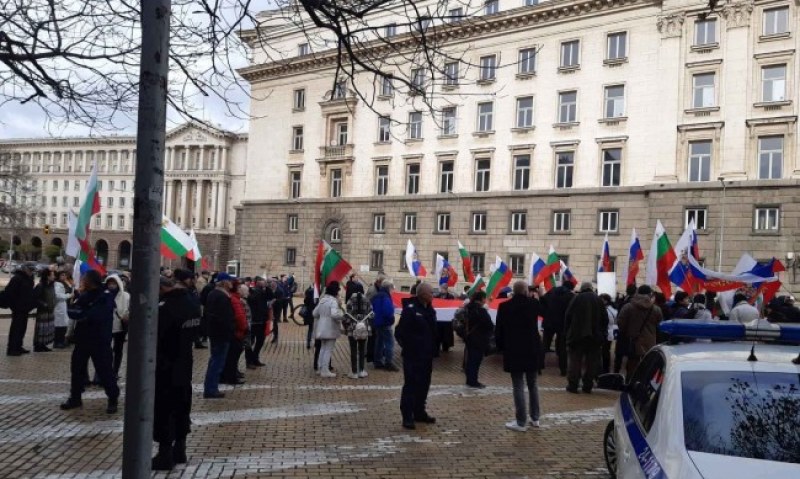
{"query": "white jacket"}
(744, 313)
(60, 312)
(328, 318)
(122, 300)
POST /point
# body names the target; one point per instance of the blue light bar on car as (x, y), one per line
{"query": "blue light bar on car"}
(723, 330)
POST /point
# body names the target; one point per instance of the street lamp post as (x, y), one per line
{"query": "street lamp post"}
(722, 225)
(303, 255)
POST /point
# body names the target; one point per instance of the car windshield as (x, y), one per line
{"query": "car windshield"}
(743, 414)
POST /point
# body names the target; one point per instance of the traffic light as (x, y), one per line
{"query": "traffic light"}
(47, 229)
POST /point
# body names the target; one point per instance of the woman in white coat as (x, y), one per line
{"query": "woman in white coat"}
(121, 313)
(328, 317)
(63, 289)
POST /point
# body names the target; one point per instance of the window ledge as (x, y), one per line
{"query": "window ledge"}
(765, 233)
(775, 36)
(569, 69)
(409, 232)
(567, 125)
(487, 81)
(707, 109)
(526, 76)
(613, 121)
(610, 62)
(609, 233)
(441, 233)
(705, 48)
(478, 232)
(517, 233)
(382, 143)
(563, 233)
(296, 152)
(298, 110)
(384, 97)
(447, 137)
(482, 134)
(523, 129)
(379, 232)
(768, 104)
(450, 87)
(413, 140)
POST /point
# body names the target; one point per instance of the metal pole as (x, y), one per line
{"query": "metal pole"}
(722, 226)
(137, 442)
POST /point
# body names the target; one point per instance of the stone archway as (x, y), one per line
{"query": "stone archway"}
(101, 251)
(57, 242)
(334, 228)
(36, 248)
(124, 255)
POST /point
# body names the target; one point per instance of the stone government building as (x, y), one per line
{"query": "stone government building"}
(204, 178)
(583, 117)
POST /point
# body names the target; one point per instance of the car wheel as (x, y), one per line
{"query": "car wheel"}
(610, 449)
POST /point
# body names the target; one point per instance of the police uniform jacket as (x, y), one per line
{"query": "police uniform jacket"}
(416, 330)
(178, 318)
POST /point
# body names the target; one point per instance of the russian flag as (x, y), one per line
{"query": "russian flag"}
(447, 274)
(537, 271)
(415, 267)
(681, 273)
(605, 258)
(567, 275)
(635, 254)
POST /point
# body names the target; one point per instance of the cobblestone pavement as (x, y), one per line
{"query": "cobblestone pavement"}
(287, 422)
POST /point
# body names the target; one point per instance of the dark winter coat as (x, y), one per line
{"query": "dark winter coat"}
(178, 320)
(586, 318)
(556, 302)
(351, 288)
(479, 327)
(219, 316)
(259, 305)
(638, 322)
(19, 293)
(517, 335)
(93, 313)
(383, 308)
(416, 331)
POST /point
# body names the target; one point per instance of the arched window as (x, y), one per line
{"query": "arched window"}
(336, 235)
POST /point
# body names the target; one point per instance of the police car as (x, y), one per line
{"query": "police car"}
(718, 407)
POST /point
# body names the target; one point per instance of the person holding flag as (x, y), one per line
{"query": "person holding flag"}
(445, 339)
(414, 265)
(635, 255)
(604, 265)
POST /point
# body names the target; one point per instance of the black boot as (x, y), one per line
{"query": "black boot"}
(71, 403)
(163, 460)
(113, 405)
(179, 451)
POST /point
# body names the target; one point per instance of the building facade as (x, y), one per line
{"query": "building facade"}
(204, 178)
(562, 122)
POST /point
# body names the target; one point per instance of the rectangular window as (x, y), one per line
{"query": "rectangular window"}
(703, 87)
(66, 185)
(617, 46)
(412, 179)
(767, 219)
(341, 129)
(122, 202)
(451, 73)
(302, 49)
(525, 112)
(410, 223)
(418, 78)
(300, 99)
(570, 52)
(390, 30)
(612, 166)
(490, 7)
(527, 61)
(97, 220)
(488, 67)
(65, 201)
(773, 81)
(455, 14)
(486, 116)
(340, 90)
(121, 222)
(482, 174)
(123, 185)
(54, 201)
(381, 180)
(565, 167)
(449, 121)
(295, 178)
(297, 138)
(55, 185)
(446, 170)
(109, 222)
(293, 223)
(76, 201)
(479, 222)
(770, 158)
(615, 101)
(608, 221)
(54, 218)
(443, 223)
(699, 215)
(478, 261)
(700, 161)
(517, 264)
(291, 256)
(376, 260)
(776, 21)
(561, 220)
(705, 32)
(519, 221)
(522, 172)
(64, 219)
(531, 3)
(336, 183)
(568, 107)
(379, 223)
(109, 201)
(415, 125)
(387, 87)
(384, 130)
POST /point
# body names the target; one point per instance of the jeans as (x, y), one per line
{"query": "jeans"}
(416, 383)
(584, 359)
(118, 341)
(518, 380)
(325, 352)
(310, 334)
(231, 369)
(276, 319)
(384, 346)
(358, 351)
(474, 357)
(100, 354)
(218, 351)
(16, 333)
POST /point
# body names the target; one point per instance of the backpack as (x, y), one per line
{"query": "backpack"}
(460, 322)
(361, 329)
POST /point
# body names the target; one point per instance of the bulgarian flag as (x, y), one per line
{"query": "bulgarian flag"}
(551, 268)
(466, 263)
(499, 278)
(328, 267)
(89, 207)
(537, 267)
(200, 261)
(660, 260)
(477, 285)
(175, 243)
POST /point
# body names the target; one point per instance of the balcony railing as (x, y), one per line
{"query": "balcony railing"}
(336, 152)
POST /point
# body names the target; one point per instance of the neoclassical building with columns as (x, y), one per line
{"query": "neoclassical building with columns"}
(559, 122)
(204, 177)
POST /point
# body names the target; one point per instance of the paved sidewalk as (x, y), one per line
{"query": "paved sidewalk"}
(287, 422)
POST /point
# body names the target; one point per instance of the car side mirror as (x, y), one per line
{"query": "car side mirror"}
(612, 382)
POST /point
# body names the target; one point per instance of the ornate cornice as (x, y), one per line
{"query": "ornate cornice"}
(527, 17)
(737, 15)
(671, 26)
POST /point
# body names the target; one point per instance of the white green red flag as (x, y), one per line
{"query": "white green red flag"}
(499, 279)
(328, 267)
(89, 207)
(200, 261)
(466, 263)
(477, 285)
(660, 260)
(551, 268)
(175, 243)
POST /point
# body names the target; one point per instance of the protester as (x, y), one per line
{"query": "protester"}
(231, 373)
(119, 330)
(445, 339)
(555, 304)
(358, 328)
(283, 297)
(638, 323)
(18, 297)
(383, 321)
(202, 280)
(775, 310)
(278, 297)
(219, 318)
(291, 286)
(587, 328)
(178, 318)
(790, 312)
(328, 317)
(416, 334)
(93, 313)
(742, 311)
(698, 310)
(517, 337)
(44, 295)
(309, 303)
(371, 292)
(352, 287)
(259, 311)
(63, 290)
(479, 330)
(611, 332)
(681, 309)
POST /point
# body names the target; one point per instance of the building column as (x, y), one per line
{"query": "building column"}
(168, 194)
(188, 152)
(185, 203)
(198, 211)
(215, 204)
(225, 159)
(202, 158)
(224, 205)
(218, 158)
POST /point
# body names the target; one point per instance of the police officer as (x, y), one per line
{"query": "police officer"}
(416, 334)
(178, 320)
